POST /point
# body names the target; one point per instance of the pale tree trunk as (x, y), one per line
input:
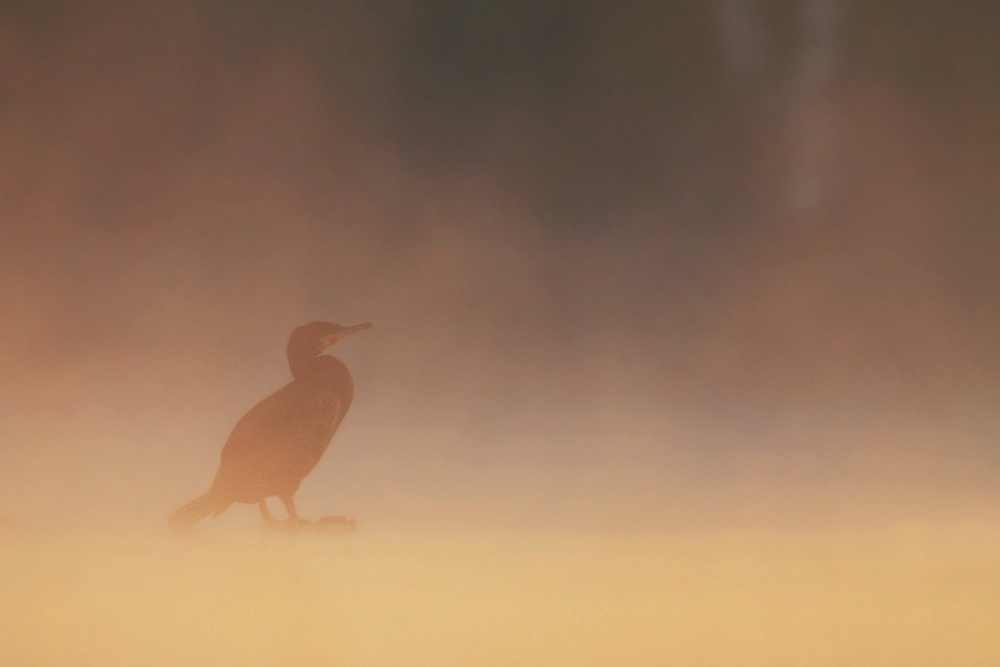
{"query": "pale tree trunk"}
(791, 106)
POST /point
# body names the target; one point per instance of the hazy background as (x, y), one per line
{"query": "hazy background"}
(637, 266)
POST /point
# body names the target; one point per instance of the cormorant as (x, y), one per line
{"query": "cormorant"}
(282, 438)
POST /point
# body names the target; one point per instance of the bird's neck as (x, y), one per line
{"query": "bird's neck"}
(301, 361)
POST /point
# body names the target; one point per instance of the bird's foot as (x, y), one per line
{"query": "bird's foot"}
(295, 524)
(336, 524)
(326, 524)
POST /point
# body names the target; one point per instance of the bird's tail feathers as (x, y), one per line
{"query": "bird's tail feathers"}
(210, 504)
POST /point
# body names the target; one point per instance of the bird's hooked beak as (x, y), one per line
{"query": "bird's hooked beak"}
(347, 331)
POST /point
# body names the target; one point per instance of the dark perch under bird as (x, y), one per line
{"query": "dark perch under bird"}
(282, 438)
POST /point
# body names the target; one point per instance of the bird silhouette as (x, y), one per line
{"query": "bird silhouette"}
(280, 440)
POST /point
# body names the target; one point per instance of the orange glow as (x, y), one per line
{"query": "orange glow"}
(914, 596)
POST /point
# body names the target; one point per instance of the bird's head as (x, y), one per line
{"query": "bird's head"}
(310, 340)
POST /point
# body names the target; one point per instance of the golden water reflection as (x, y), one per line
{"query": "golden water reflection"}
(908, 595)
